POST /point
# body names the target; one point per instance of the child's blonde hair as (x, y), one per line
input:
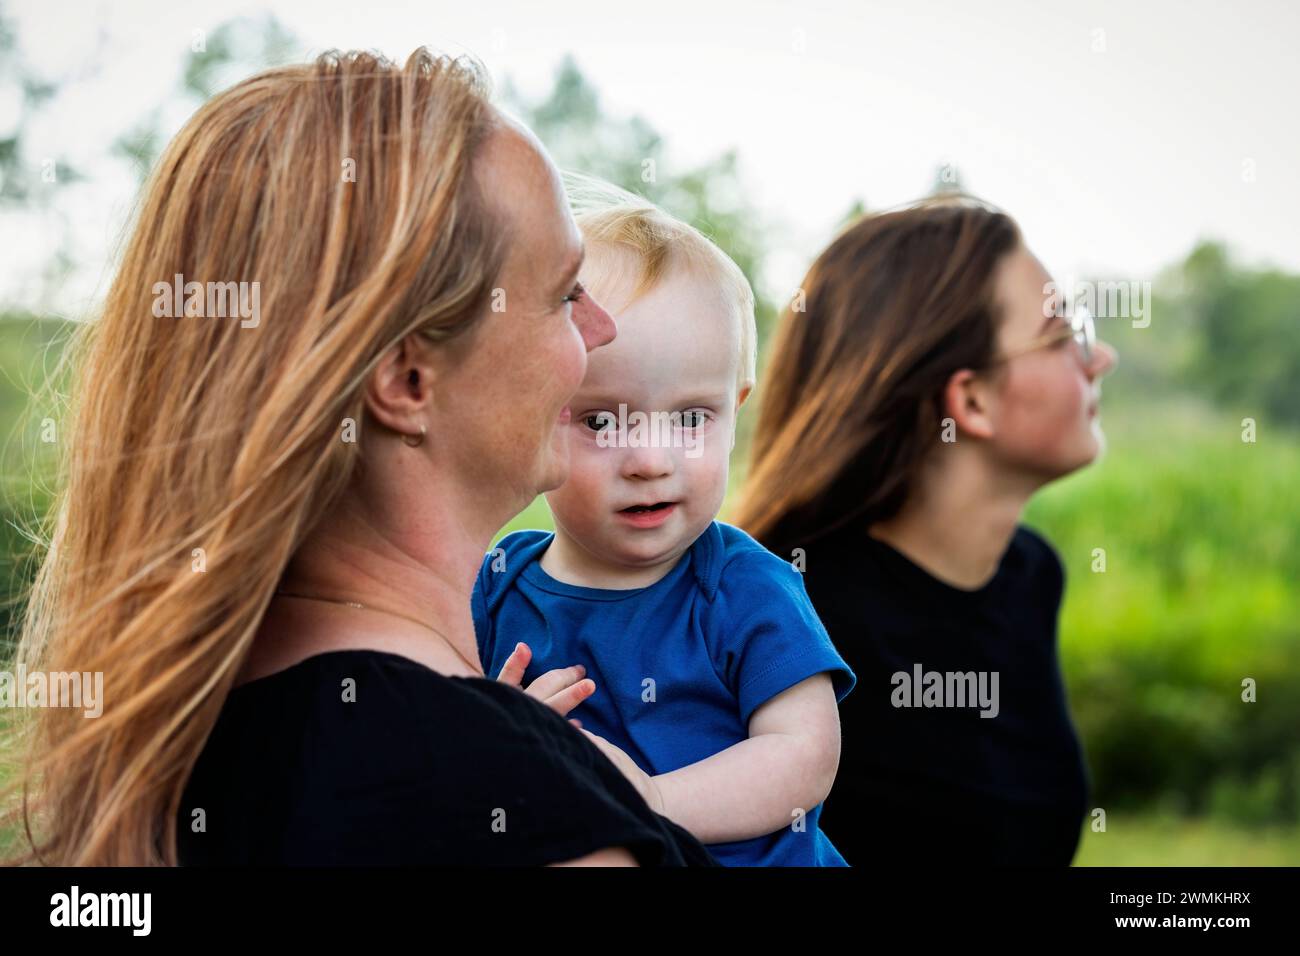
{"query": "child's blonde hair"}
(623, 221)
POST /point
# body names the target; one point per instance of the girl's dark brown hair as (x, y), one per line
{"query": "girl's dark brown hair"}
(852, 395)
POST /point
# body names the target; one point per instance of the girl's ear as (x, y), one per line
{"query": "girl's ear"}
(399, 389)
(967, 400)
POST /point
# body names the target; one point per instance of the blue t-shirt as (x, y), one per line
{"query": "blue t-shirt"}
(680, 665)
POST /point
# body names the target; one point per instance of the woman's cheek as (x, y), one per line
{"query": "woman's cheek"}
(572, 363)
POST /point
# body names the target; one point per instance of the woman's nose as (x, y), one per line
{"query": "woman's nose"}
(596, 325)
(1104, 360)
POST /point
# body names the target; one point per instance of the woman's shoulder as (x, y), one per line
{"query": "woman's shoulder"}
(366, 756)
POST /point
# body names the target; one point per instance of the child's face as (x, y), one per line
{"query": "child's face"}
(677, 351)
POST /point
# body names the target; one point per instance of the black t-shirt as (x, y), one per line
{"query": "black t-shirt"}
(932, 784)
(417, 768)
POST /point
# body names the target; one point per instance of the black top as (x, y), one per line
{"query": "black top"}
(366, 757)
(931, 784)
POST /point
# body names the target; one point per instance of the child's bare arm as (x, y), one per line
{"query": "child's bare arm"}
(788, 763)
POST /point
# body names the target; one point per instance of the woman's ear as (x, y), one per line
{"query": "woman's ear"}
(968, 401)
(400, 388)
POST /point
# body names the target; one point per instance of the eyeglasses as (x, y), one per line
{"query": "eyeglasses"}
(1081, 328)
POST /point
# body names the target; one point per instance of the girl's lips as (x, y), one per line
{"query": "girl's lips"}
(647, 519)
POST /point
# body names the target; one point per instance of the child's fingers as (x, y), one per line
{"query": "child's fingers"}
(552, 682)
(512, 671)
(571, 697)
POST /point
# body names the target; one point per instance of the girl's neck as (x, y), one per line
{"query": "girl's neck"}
(957, 524)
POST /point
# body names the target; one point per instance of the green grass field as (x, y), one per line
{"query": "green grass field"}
(1151, 840)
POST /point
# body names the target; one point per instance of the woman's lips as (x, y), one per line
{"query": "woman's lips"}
(648, 519)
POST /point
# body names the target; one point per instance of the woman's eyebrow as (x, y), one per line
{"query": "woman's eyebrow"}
(570, 274)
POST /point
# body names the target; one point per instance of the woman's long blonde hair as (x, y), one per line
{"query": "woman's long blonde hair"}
(198, 452)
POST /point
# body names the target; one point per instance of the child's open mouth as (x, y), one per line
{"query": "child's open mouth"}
(648, 516)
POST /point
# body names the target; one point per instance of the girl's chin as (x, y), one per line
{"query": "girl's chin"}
(1094, 442)
(1098, 441)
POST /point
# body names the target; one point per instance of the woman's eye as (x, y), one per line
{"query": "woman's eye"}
(577, 293)
(599, 421)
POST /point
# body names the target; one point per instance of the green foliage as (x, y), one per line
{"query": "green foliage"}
(30, 350)
(1148, 839)
(1219, 331)
(628, 152)
(1198, 593)
(1248, 350)
(235, 49)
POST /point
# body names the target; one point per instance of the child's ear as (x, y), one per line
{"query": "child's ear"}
(740, 400)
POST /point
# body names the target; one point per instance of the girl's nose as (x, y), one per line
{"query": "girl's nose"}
(1104, 360)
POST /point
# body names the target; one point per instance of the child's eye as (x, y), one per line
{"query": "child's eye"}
(599, 421)
(693, 419)
(578, 292)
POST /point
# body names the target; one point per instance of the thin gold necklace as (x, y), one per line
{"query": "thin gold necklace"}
(358, 604)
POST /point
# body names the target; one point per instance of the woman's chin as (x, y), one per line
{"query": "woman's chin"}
(554, 469)
(1091, 447)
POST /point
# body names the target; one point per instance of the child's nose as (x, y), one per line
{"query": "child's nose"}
(647, 459)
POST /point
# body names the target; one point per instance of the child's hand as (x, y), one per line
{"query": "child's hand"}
(561, 689)
(644, 783)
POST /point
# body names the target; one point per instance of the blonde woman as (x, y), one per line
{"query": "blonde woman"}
(269, 527)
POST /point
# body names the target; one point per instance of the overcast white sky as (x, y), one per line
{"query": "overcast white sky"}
(1117, 133)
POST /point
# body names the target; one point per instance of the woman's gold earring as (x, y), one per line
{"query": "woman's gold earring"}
(413, 440)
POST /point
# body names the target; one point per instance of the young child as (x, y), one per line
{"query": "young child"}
(711, 670)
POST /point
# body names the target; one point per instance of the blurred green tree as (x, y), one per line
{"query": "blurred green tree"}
(630, 153)
(1246, 351)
